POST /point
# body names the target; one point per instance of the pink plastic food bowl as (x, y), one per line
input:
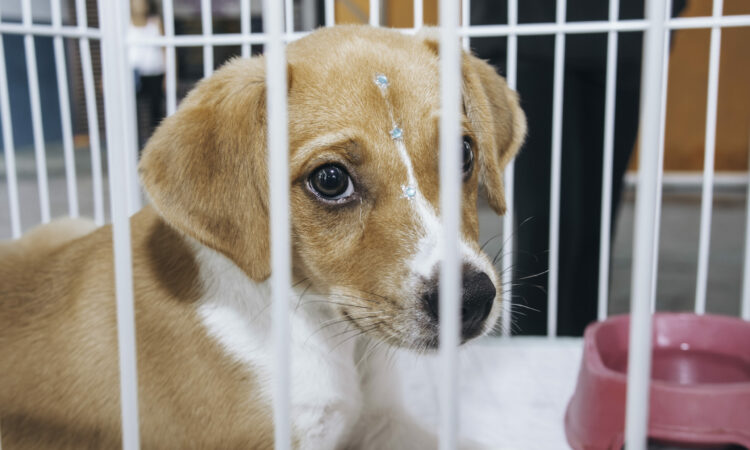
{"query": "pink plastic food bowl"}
(700, 383)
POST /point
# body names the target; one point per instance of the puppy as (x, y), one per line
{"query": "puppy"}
(363, 131)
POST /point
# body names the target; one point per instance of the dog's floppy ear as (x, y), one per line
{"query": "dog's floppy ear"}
(493, 109)
(205, 167)
(494, 112)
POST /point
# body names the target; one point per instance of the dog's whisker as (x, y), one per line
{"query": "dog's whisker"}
(339, 320)
(300, 282)
(347, 296)
(511, 235)
(331, 302)
(370, 351)
(515, 306)
(542, 289)
(362, 331)
(534, 275)
(489, 240)
(350, 318)
(299, 302)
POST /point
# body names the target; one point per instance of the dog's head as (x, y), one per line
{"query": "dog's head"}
(364, 112)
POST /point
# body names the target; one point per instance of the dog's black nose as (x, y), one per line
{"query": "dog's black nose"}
(479, 293)
(478, 296)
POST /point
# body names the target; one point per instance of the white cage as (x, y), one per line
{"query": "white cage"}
(124, 192)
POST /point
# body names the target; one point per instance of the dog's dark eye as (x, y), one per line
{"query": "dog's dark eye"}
(331, 182)
(468, 156)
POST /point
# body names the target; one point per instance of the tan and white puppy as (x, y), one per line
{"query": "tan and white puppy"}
(363, 130)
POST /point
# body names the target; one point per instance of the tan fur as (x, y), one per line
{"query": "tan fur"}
(205, 172)
(58, 351)
(45, 238)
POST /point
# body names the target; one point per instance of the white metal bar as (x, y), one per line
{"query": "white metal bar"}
(65, 122)
(603, 26)
(46, 30)
(418, 14)
(36, 114)
(288, 16)
(689, 180)
(639, 355)
(465, 23)
(9, 149)
(91, 115)
(207, 30)
(278, 170)
(195, 40)
(707, 199)
(708, 22)
(450, 204)
(508, 220)
(171, 56)
(527, 29)
(374, 13)
(471, 32)
(130, 118)
(474, 31)
(245, 26)
(607, 163)
(117, 151)
(660, 166)
(330, 8)
(554, 214)
(93, 128)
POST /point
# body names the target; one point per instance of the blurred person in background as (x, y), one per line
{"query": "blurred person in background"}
(148, 65)
(582, 151)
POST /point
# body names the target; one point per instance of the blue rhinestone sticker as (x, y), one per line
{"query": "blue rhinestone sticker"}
(381, 80)
(397, 133)
(409, 191)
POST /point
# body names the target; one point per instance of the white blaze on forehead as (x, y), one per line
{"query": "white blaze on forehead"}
(411, 189)
(428, 252)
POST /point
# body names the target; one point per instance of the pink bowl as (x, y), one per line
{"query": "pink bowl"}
(700, 388)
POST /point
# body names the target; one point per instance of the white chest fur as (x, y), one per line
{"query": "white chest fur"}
(325, 386)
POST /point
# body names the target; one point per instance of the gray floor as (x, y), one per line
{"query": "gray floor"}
(28, 189)
(678, 248)
(678, 252)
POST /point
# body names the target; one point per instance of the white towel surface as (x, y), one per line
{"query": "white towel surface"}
(513, 391)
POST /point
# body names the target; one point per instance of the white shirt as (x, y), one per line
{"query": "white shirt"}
(146, 59)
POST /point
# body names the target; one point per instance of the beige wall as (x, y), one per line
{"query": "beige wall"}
(398, 13)
(688, 81)
(686, 96)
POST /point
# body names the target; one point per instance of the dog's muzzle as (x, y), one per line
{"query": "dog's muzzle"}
(478, 296)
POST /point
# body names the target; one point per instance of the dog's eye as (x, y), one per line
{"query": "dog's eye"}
(331, 182)
(468, 156)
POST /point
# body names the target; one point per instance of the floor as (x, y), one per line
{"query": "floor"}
(513, 391)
